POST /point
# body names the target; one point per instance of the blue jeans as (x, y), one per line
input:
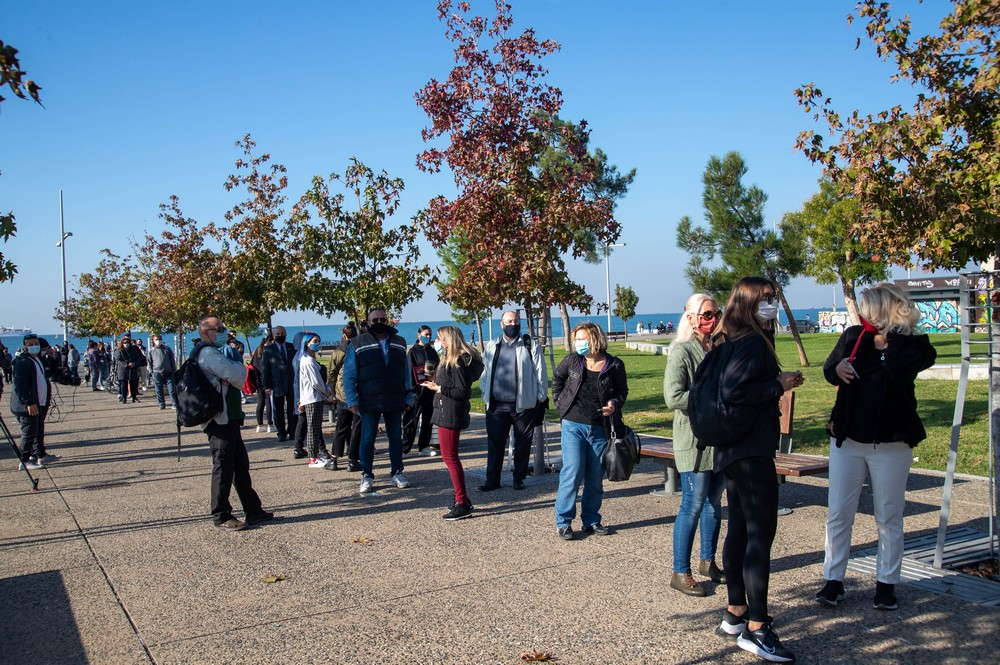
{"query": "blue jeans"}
(394, 432)
(582, 462)
(701, 497)
(159, 379)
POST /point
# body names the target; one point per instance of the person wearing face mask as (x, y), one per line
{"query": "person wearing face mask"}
(378, 385)
(313, 391)
(230, 462)
(128, 360)
(589, 388)
(29, 402)
(873, 429)
(421, 353)
(278, 376)
(701, 487)
(162, 368)
(514, 384)
(752, 378)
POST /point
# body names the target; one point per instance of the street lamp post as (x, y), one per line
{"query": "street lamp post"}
(62, 245)
(607, 276)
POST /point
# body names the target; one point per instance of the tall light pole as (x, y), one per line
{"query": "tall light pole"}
(607, 276)
(62, 245)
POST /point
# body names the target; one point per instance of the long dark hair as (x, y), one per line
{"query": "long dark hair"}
(739, 319)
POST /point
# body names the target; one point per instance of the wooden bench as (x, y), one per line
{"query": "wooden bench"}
(786, 462)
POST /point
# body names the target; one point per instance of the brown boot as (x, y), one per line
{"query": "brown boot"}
(711, 571)
(686, 584)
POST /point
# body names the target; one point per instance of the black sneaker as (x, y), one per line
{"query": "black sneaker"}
(566, 533)
(300, 453)
(459, 512)
(489, 487)
(732, 626)
(259, 519)
(832, 593)
(518, 484)
(885, 596)
(598, 528)
(764, 643)
(353, 466)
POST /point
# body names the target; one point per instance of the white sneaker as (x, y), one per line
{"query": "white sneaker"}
(366, 485)
(428, 452)
(48, 459)
(270, 428)
(260, 428)
(33, 466)
(317, 463)
(400, 480)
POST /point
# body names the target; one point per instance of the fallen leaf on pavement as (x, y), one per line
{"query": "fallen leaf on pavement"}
(362, 540)
(537, 657)
(271, 579)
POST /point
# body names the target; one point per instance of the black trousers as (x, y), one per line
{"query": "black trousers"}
(419, 415)
(500, 417)
(752, 495)
(230, 466)
(129, 386)
(264, 405)
(347, 435)
(285, 416)
(33, 434)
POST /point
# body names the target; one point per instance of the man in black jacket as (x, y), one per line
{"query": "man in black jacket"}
(29, 402)
(278, 376)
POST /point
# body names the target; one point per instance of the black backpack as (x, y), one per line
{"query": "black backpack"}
(198, 401)
(714, 421)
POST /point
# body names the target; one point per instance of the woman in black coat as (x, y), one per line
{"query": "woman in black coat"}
(873, 428)
(589, 388)
(128, 360)
(460, 365)
(752, 378)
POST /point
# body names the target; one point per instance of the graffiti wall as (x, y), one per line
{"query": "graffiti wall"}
(938, 316)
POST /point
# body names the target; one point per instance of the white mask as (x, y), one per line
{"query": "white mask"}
(767, 311)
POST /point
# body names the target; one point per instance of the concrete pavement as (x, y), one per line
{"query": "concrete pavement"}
(114, 560)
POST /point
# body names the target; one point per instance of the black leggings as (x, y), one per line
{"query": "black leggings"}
(752, 495)
(264, 405)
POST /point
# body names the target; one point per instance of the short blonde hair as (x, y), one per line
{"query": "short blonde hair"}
(888, 308)
(598, 341)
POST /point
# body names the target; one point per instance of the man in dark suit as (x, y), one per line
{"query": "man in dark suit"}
(278, 377)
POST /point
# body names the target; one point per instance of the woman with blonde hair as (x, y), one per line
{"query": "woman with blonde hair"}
(873, 428)
(752, 378)
(589, 388)
(459, 366)
(701, 488)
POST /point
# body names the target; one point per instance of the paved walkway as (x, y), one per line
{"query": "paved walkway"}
(115, 561)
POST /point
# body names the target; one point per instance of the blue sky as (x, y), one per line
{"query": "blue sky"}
(145, 100)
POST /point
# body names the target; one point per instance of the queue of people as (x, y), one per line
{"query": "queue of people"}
(371, 377)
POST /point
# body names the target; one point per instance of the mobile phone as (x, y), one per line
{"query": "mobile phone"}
(853, 371)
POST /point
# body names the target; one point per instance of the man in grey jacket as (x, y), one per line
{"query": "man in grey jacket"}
(230, 462)
(514, 383)
(162, 365)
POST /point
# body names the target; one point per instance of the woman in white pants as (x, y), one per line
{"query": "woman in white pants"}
(873, 428)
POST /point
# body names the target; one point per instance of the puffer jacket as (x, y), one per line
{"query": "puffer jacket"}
(451, 404)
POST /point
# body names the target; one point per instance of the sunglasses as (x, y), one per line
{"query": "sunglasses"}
(769, 297)
(709, 315)
(220, 329)
(380, 320)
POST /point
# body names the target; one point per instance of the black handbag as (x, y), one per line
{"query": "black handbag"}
(622, 454)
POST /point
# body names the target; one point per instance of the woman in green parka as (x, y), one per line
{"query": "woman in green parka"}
(701, 500)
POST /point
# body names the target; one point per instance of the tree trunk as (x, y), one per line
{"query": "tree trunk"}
(624, 323)
(479, 327)
(564, 313)
(529, 318)
(850, 300)
(794, 329)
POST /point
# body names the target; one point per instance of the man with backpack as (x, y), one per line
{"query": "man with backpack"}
(230, 462)
(515, 385)
(162, 367)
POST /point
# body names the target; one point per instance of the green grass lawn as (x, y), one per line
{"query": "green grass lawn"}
(645, 410)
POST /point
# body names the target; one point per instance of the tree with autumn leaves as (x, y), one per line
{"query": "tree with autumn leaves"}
(515, 221)
(927, 178)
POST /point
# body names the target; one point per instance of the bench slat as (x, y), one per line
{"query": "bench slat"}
(786, 464)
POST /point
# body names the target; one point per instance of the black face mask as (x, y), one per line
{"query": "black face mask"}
(280, 339)
(377, 328)
(512, 331)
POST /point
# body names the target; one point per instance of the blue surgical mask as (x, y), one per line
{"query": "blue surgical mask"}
(582, 347)
(219, 342)
(314, 346)
(425, 339)
(34, 350)
(439, 348)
